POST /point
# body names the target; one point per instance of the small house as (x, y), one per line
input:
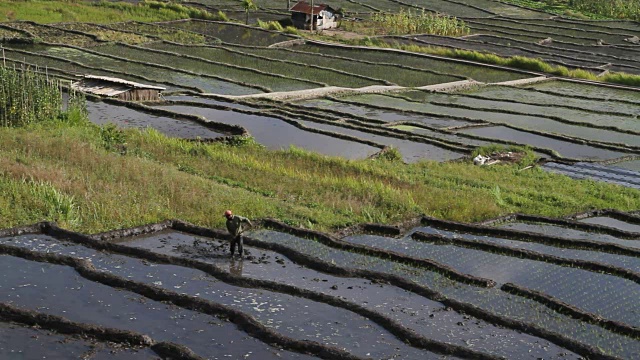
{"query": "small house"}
(117, 88)
(322, 15)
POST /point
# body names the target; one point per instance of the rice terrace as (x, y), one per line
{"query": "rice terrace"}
(404, 179)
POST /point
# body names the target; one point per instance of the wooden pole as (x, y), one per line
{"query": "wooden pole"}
(313, 25)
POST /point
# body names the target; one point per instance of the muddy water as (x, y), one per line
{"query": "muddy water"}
(64, 293)
(523, 121)
(492, 300)
(614, 223)
(429, 318)
(379, 114)
(102, 113)
(20, 342)
(295, 317)
(626, 262)
(564, 232)
(411, 151)
(277, 134)
(564, 148)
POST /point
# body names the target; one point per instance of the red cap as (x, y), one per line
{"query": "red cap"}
(228, 213)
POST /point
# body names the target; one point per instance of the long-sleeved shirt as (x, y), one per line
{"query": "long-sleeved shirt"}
(234, 224)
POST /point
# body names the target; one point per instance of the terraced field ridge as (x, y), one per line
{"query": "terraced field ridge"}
(441, 289)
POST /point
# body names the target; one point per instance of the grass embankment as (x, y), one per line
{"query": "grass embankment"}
(82, 176)
(43, 11)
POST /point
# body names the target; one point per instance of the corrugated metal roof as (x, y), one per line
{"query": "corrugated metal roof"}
(305, 8)
(131, 84)
(109, 86)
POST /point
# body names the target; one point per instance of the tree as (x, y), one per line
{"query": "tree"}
(248, 5)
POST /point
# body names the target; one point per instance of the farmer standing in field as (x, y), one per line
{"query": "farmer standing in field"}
(234, 225)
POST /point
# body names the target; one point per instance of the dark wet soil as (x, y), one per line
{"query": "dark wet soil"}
(491, 299)
(427, 317)
(20, 342)
(292, 316)
(64, 293)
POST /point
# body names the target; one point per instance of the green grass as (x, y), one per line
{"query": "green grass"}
(95, 179)
(408, 22)
(50, 11)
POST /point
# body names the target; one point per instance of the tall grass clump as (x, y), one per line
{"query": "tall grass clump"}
(408, 22)
(617, 9)
(27, 97)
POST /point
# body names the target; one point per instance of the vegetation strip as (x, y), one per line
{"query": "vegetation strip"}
(243, 321)
(529, 254)
(572, 311)
(166, 350)
(380, 253)
(532, 237)
(403, 333)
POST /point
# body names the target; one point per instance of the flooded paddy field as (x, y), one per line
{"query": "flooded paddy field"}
(429, 103)
(276, 134)
(237, 74)
(319, 290)
(610, 174)
(231, 33)
(289, 67)
(490, 299)
(21, 342)
(417, 61)
(102, 113)
(564, 148)
(412, 151)
(119, 67)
